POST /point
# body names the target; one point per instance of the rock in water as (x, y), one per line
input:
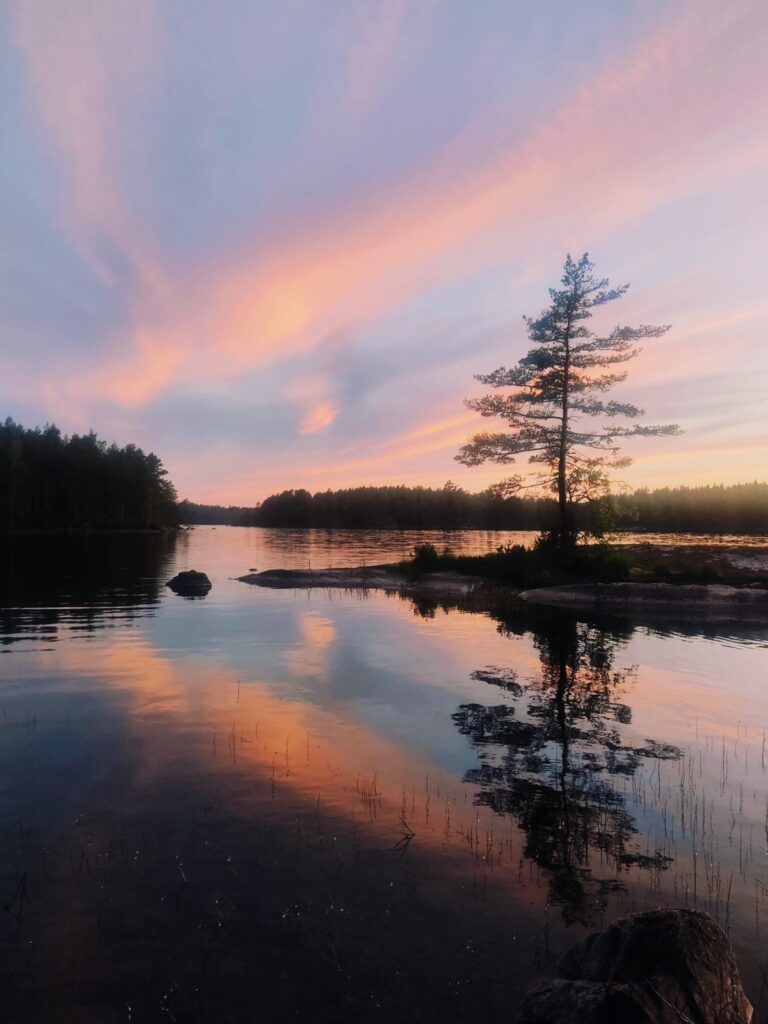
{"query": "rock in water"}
(190, 583)
(662, 967)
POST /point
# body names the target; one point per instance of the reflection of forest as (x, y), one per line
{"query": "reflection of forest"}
(551, 755)
(82, 580)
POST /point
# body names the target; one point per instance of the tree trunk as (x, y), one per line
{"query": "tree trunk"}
(566, 533)
(562, 499)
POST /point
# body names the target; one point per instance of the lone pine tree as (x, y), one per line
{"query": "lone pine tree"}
(553, 394)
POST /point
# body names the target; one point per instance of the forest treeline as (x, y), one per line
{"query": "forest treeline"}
(713, 508)
(737, 508)
(49, 481)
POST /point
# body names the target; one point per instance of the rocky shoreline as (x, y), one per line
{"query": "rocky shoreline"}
(698, 598)
(374, 577)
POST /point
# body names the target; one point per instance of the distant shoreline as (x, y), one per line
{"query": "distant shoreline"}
(610, 537)
(731, 509)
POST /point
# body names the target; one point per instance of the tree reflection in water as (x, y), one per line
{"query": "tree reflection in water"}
(553, 754)
(53, 582)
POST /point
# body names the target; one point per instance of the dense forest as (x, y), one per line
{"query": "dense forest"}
(715, 508)
(739, 508)
(48, 481)
(382, 508)
(193, 514)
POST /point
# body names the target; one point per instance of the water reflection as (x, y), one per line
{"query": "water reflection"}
(321, 549)
(551, 755)
(261, 800)
(79, 582)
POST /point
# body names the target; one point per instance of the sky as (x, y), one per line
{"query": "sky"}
(274, 242)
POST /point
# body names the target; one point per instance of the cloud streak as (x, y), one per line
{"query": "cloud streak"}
(672, 117)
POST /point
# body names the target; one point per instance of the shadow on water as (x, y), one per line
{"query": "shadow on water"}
(80, 581)
(552, 754)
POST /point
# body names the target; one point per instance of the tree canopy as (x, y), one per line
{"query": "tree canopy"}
(48, 481)
(555, 390)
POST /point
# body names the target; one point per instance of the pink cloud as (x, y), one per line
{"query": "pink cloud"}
(84, 62)
(661, 121)
(318, 417)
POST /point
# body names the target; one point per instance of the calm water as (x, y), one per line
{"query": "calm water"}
(289, 806)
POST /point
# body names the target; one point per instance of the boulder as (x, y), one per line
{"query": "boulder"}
(662, 967)
(190, 583)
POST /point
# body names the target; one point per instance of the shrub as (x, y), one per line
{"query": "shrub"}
(425, 557)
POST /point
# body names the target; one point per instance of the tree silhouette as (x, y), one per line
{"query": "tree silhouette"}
(555, 385)
(52, 482)
(551, 768)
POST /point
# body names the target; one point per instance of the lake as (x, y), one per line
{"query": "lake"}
(278, 805)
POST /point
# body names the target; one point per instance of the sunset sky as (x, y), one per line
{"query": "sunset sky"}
(273, 241)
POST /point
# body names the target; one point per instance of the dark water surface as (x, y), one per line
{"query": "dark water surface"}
(267, 805)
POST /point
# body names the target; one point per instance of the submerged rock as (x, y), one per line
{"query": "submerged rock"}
(662, 967)
(190, 583)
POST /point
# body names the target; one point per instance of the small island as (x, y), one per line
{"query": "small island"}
(596, 576)
(391, 577)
